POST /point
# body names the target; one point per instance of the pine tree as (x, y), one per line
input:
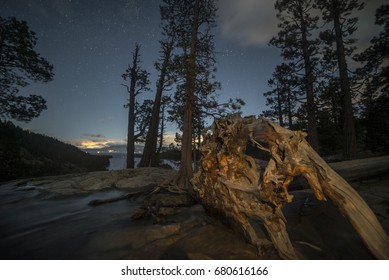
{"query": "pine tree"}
(294, 40)
(138, 82)
(164, 102)
(330, 115)
(375, 76)
(282, 98)
(192, 65)
(375, 58)
(149, 151)
(185, 172)
(19, 65)
(337, 13)
(143, 114)
(169, 31)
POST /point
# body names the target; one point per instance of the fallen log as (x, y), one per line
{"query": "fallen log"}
(360, 169)
(229, 183)
(351, 170)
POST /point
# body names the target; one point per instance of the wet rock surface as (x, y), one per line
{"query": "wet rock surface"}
(85, 183)
(49, 218)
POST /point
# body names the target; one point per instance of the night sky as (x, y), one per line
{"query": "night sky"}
(90, 44)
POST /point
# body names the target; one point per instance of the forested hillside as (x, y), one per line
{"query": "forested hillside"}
(28, 154)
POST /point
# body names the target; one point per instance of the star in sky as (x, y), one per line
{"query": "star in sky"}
(90, 45)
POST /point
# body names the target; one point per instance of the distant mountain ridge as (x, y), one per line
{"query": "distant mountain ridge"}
(27, 154)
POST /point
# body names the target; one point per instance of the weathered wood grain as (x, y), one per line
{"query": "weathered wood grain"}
(229, 183)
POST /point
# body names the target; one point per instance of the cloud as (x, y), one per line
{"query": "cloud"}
(113, 145)
(249, 22)
(366, 19)
(97, 144)
(94, 135)
(169, 137)
(254, 22)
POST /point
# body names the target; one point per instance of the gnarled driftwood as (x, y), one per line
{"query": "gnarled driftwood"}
(229, 182)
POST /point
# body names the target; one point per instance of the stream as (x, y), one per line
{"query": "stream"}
(35, 227)
(34, 224)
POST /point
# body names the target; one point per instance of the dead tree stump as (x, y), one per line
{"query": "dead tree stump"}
(229, 183)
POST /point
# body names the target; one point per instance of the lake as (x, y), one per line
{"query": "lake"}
(118, 162)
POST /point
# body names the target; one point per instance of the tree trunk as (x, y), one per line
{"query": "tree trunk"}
(197, 147)
(131, 110)
(131, 125)
(185, 172)
(290, 119)
(149, 151)
(279, 107)
(194, 155)
(162, 131)
(229, 183)
(313, 138)
(349, 140)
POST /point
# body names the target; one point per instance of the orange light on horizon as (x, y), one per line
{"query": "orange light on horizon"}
(90, 144)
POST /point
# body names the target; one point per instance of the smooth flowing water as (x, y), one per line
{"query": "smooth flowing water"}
(33, 227)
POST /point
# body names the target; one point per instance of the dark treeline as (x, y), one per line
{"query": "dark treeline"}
(22, 153)
(324, 85)
(27, 154)
(317, 88)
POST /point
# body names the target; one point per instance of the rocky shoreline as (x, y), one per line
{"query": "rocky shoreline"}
(51, 218)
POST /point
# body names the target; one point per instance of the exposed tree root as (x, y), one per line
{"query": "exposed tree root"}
(229, 182)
